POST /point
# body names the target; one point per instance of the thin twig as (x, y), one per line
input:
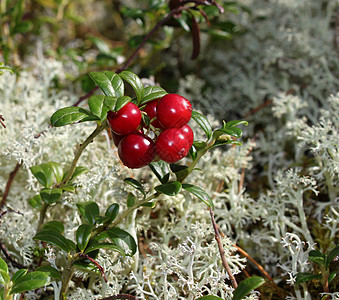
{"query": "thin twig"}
(2, 121)
(222, 251)
(256, 109)
(120, 296)
(10, 258)
(9, 183)
(100, 268)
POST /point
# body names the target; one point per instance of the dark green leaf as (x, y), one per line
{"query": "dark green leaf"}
(53, 237)
(83, 235)
(246, 286)
(110, 246)
(86, 266)
(109, 82)
(130, 199)
(89, 210)
(112, 212)
(54, 225)
(236, 123)
(152, 93)
(332, 255)
(18, 274)
(50, 196)
(161, 170)
(72, 245)
(97, 106)
(317, 257)
(22, 27)
(121, 102)
(78, 171)
(233, 131)
(70, 115)
(225, 141)
(304, 277)
(136, 184)
(199, 193)
(203, 123)
(35, 202)
(30, 281)
(331, 276)
(180, 171)
(122, 238)
(171, 188)
(57, 170)
(135, 83)
(50, 271)
(199, 145)
(44, 174)
(210, 297)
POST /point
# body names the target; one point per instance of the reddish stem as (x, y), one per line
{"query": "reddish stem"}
(9, 183)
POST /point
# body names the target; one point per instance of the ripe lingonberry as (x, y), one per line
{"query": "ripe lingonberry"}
(151, 110)
(188, 132)
(172, 145)
(126, 120)
(173, 111)
(136, 150)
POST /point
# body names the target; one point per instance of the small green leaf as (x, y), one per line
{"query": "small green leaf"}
(203, 123)
(332, 255)
(317, 257)
(199, 145)
(209, 297)
(3, 265)
(152, 93)
(50, 271)
(246, 286)
(304, 277)
(70, 115)
(54, 225)
(4, 277)
(57, 170)
(136, 184)
(121, 238)
(130, 199)
(50, 196)
(110, 246)
(199, 193)
(109, 82)
(78, 171)
(53, 237)
(161, 170)
(83, 234)
(43, 173)
(148, 204)
(331, 276)
(232, 131)
(68, 188)
(35, 202)
(225, 142)
(180, 171)
(171, 188)
(18, 274)
(236, 123)
(30, 281)
(89, 210)
(135, 83)
(97, 106)
(112, 212)
(121, 102)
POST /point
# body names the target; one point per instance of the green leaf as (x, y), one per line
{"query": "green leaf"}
(44, 174)
(331, 276)
(4, 277)
(171, 188)
(203, 123)
(332, 255)
(136, 184)
(209, 297)
(130, 199)
(109, 82)
(304, 277)
(57, 170)
(30, 281)
(121, 102)
(89, 210)
(54, 225)
(78, 171)
(232, 131)
(180, 171)
(35, 202)
(160, 170)
(18, 274)
(246, 286)
(50, 271)
(68, 188)
(135, 83)
(122, 238)
(148, 204)
(112, 212)
(3, 265)
(225, 141)
(83, 234)
(70, 115)
(110, 246)
(53, 237)
(236, 123)
(199, 145)
(152, 93)
(317, 257)
(97, 106)
(50, 196)
(199, 193)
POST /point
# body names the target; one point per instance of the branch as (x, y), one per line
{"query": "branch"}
(10, 258)
(120, 296)
(1, 121)
(101, 269)
(9, 183)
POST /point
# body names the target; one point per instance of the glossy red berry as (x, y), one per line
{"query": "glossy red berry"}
(126, 120)
(136, 150)
(117, 138)
(188, 132)
(173, 111)
(172, 145)
(151, 110)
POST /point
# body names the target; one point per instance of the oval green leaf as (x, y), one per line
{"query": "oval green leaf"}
(246, 286)
(3, 265)
(97, 107)
(152, 93)
(30, 281)
(203, 123)
(50, 196)
(122, 238)
(170, 189)
(35, 202)
(130, 199)
(112, 212)
(53, 237)
(160, 170)
(109, 82)
(199, 193)
(54, 225)
(135, 83)
(18, 274)
(43, 173)
(110, 246)
(89, 210)
(136, 184)
(50, 271)
(232, 131)
(236, 123)
(70, 115)
(304, 277)
(83, 234)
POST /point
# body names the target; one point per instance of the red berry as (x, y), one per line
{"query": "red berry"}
(173, 111)
(151, 110)
(172, 145)
(188, 132)
(126, 120)
(136, 150)
(117, 138)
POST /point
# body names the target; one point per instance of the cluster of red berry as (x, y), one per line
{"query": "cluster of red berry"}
(172, 137)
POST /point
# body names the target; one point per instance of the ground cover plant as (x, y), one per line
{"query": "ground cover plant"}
(106, 195)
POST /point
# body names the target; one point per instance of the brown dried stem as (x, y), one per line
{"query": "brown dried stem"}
(9, 183)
